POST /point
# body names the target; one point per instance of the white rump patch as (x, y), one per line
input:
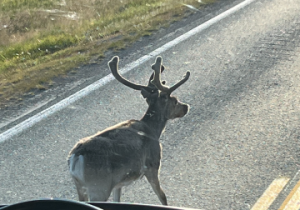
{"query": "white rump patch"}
(77, 167)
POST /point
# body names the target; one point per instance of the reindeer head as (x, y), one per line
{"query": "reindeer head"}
(157, 94)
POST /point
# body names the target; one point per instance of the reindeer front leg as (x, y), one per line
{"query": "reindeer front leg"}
(152, 177)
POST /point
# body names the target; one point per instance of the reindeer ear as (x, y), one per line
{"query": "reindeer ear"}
(150, 96)
(145, 93)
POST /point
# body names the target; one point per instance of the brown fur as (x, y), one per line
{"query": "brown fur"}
(123, 153)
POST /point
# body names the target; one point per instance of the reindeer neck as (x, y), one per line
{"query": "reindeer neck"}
(156, 120)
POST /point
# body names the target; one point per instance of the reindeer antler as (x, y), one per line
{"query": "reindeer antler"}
(113, 65)
(157, 78)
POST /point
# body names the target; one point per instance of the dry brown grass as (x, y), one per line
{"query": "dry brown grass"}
(40, 39)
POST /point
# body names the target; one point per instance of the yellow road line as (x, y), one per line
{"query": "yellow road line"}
(292, 201)
(271, 193)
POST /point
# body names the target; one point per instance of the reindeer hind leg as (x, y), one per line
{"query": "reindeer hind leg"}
(81, 191)
(99, 193)
(117, 194)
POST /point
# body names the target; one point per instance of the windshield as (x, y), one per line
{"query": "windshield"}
(214, 127)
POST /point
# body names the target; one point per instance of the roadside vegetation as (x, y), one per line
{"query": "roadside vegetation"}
(42, 39)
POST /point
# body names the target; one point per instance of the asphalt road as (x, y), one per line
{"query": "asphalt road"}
(241, 133)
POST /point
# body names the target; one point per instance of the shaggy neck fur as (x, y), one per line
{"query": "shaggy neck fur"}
(155, 119)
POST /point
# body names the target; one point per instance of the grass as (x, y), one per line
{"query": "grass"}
(42, 39)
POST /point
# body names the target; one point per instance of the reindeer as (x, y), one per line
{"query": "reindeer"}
(123, 153)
